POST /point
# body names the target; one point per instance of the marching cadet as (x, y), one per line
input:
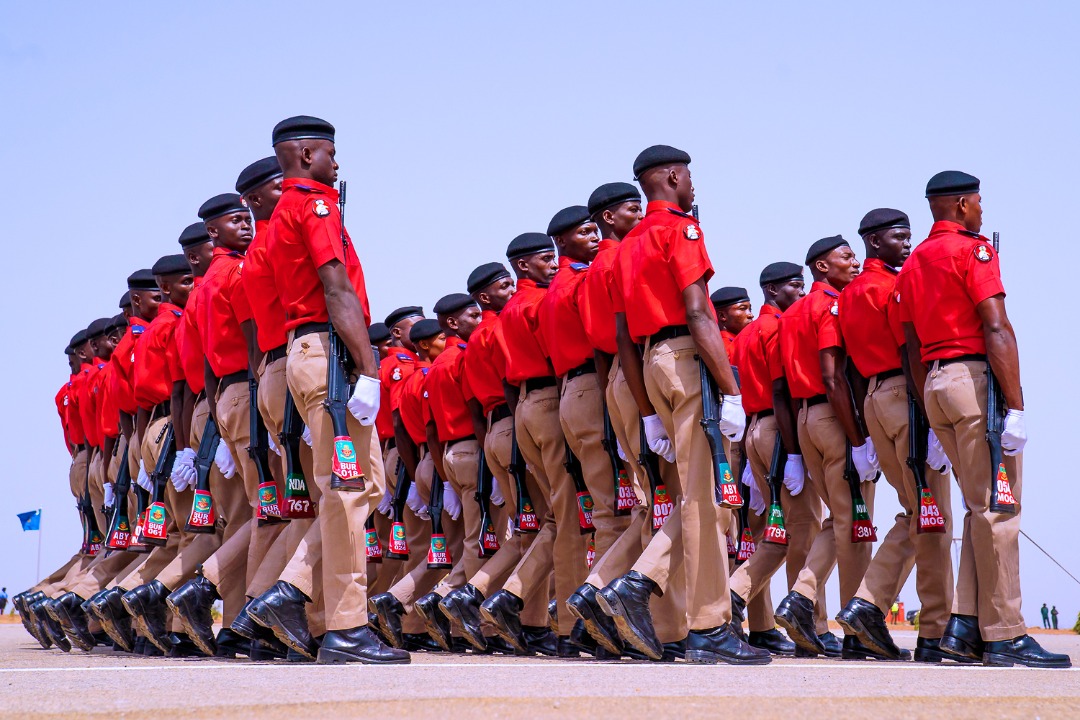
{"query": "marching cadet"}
(381, 339)
(661, 274)
(321, 282)
(532, 396)
(952, 306)
(733, 313)
(813, 364)
(869, 319)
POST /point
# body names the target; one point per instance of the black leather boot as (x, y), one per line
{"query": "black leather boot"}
(462, 608)
(626, 601)
(191, 605)
(962, 638)
(773, 641)
(722, 644)
(146, 606)
(796, 615)
(584, 606)
(388, 609)
(72, 619)
(359, 645)
(281, 610)
(865, 621)
(1023, 650)
(108, 607)
(502, 610)
(928, 650)
(436, 624)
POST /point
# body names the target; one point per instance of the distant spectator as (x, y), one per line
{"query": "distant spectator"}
(895, 611)
(1046, 616)
(1053, 615)
(3, 600)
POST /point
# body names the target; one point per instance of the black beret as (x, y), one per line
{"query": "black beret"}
(68, 350)
(529, 244)
(257, 173)
(171, 265)
(142, 280)
(486, 274)
(401, 313)
(98, 328)
(883, 218)
(779, 272)
(424, 329)
(450, 304)
(77, 339)
(222, 204)
(610, 194)
(194, 234)
(658, 155)
(302, 127)
(729, 296)
(118, 322)
(823, 246)
(952, 182)
(568, 218)
(378, 332)
(125, 300)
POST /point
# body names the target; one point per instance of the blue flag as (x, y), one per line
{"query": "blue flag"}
(30, 520)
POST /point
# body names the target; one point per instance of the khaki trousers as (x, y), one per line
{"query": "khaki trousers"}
(97, 488)
(462, 463)
(693, 533)
(824, 451)
(542, 444)
(886, 413)
(382, 575)
(802, 519)
(988, 580)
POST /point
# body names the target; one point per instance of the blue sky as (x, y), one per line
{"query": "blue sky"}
(462, 125)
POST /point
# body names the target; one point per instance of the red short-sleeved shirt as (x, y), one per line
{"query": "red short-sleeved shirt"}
(941, 282)
(810, 325)
(86, 402)
(261, 292)
(597, 308)
(864, 319)
(223, 307)
(305, 234)
(122, 386)
(108, 412)
(61, 401)
(750, 353)
(521, 335)
(394, 370)
(560, 318)
(188, 342)
(410, 405)
(662, 256)
(445, 396)
(485, 366)
(729, 343)
(69, 413)
(157, 364)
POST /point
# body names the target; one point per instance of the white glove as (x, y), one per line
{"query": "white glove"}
(273, 445)
(414, 503)
(364, 403)
(732, 417)
(794, 474)
(757, 502)
(451, 501)
(306, 435)
(110, 496)
(935, 455)
(747, 476)
(224, 460)
(1014, 436)
(384, 504)
(183, 473)
(143, 480)
(865, 459)
(657, 438)
(622, 453)
(496, 493)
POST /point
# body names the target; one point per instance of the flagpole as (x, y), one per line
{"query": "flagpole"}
(39, 548)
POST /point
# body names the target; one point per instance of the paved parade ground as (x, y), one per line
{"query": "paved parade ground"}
(104, 684)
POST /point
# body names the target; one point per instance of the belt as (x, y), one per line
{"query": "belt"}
(311, 327)
(539, 383)
(276, 354)
(816, 400)
(160, 410)
(452, 443)
(589, 366)
(500, 412)
(231, 379)
(669, 332)
(973, 357)
(80, 447)
(883, 376)
(764, 414)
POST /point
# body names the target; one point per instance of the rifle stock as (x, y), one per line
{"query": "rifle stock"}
(438, 557)
(726, 487)
(119, 525)
(526, 520)
(202, 516)
(268, 511)
(775, 530)
(930, 517)
(1002, 500)
(584, 498)
(298, 503)
(862, 527)
(662, 504)
(747, 546)
(156, 525)
(399, 542)
(372, 545)
(625, 498)
(489, 539)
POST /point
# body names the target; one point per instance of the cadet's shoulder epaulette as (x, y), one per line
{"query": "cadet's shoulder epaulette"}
(137, 329)
(969, 233)
(680, 213)
(579, 267)
(831, 293)
(404, 358)
(462, 345)
(177, 313)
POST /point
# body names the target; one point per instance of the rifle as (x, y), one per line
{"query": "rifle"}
(142, 501)
(747, 546)
(155, 527)
(662, 504)
(372, 545)
(485, 481)
(584, 499)
(202, 517)
(625, 499)
(119, 525)
(775, 531)
(438, 557)
(92, 538)
(930, 518)
(726, 493)
(862, 528)
(268, 511)
(298, 502)
(347, 476)
(399, 543)
(526, 521)
(1002, 500)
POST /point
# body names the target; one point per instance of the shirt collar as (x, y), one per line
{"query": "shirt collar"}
(660, 205)
(877, 265)
(767, 308)
(608, 244)
(167, 307)
(825, 288)
(942, 227)
(526, 283)
(309, 185)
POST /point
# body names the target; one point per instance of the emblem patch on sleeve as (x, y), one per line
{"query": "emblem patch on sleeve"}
(691, 232)
(320, 208)
(835, 308)
(983, 254)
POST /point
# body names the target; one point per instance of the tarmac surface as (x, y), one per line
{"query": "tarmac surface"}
(105, 684)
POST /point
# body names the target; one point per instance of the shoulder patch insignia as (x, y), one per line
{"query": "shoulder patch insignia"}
(137, 329)
(403, 357)
(177, 313)
(983, 253)
(321, 210)
(396, 375)
(579, 267)
(835, 308)
(680, 213)
(691, 232)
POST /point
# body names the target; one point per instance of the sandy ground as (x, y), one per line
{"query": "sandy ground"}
(104, 684)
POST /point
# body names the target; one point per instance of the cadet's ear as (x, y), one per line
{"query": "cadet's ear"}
(306, 156)
(822, 266)
(452, 322)
(607, 217)
(211, 230)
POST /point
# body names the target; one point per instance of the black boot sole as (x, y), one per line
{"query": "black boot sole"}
(928, 655)
(474, 636)
(859, 629)
(707, 657)
(394, 640)
(193, 631)
(329, 656)
(594, 628)
(1002, 660)
(265, 616)
(794, 632)
(431, 624)
(629, 634)
(519, 645)
(955, 648)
